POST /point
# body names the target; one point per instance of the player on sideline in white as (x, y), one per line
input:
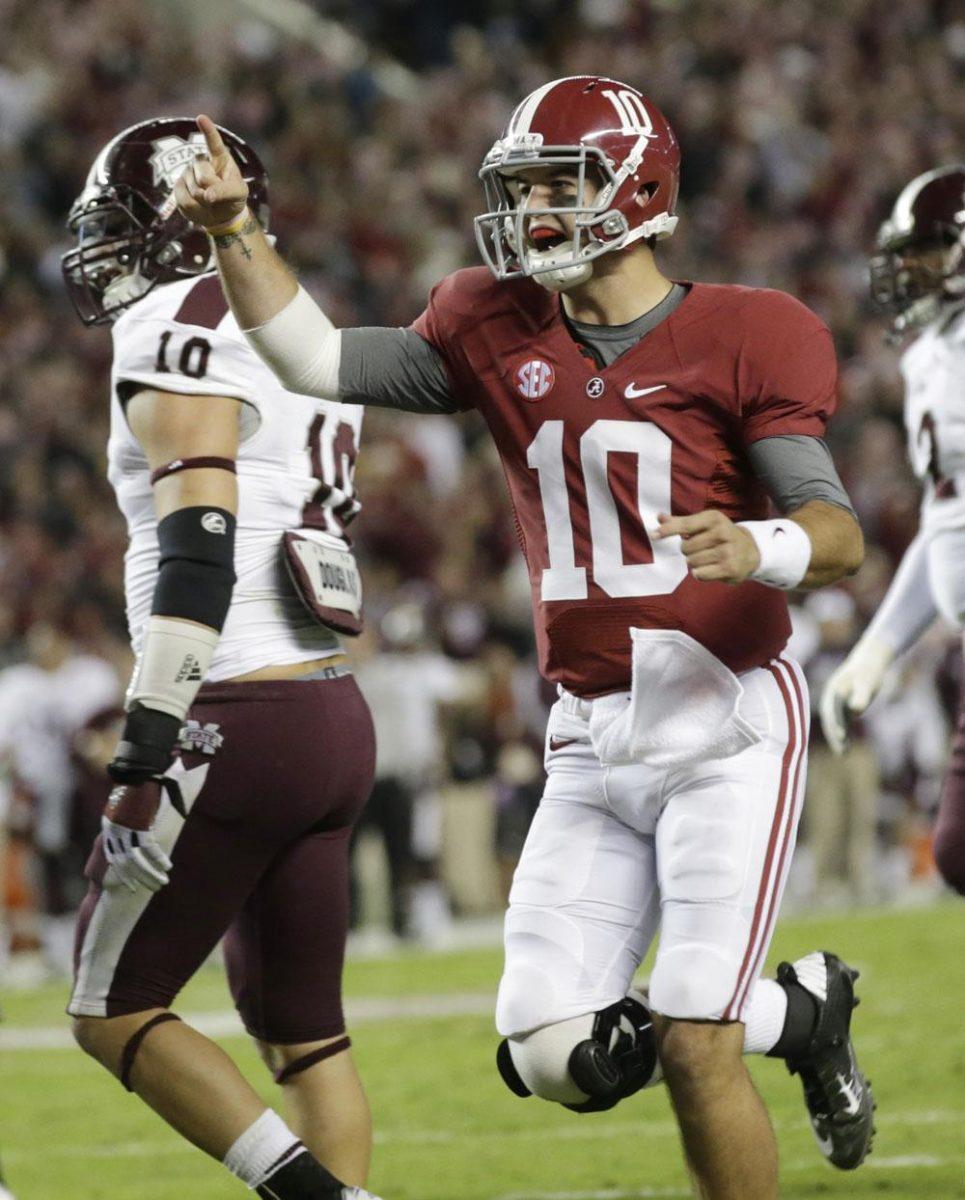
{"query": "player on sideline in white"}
(642, 425)
(247, 751)
(918, 278)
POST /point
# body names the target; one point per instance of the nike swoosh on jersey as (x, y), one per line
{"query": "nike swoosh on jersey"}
(632, 393)
(560, 743)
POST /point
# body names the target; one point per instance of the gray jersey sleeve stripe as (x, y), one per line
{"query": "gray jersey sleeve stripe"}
(393, 368)
(795, 469)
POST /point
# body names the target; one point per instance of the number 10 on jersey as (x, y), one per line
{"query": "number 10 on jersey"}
(563, 579)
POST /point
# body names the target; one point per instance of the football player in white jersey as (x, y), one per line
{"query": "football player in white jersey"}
(248, 750)
(918, 275)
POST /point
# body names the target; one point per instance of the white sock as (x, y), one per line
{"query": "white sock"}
(262, 1149)
(765, 1017)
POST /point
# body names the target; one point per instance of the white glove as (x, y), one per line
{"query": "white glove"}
(128, 823)
(852, 687)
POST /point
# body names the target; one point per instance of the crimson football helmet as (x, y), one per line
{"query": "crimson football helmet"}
(607, 132)
(130, 235)
(919, 265)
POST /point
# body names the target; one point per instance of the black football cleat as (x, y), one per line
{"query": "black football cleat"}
(838, 1097)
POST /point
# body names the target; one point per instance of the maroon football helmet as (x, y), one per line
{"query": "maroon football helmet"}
(919, 265)
(130, 235)
(604, 130)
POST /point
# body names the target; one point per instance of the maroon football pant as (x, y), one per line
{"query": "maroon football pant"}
(950, 825)
(262, 860)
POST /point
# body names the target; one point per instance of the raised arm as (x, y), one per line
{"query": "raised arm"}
(212, 193)
(279, 318)
(392, 368)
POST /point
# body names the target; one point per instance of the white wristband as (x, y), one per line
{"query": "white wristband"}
(302, 347)
(173, 662)
(785, 551)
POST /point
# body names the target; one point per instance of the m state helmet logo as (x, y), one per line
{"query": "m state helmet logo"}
(535, 378)
(172, 154)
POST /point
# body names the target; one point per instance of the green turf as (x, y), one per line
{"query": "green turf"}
(448, 1130)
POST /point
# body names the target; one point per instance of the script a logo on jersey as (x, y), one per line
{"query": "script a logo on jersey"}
(535, 379)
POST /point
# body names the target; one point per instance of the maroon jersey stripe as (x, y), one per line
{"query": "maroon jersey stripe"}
(204, 305)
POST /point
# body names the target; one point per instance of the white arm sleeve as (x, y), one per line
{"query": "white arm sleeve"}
(908, 607)
(302, 346)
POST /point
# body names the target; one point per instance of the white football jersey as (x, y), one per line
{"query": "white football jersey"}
(933, 368)
(295, 464)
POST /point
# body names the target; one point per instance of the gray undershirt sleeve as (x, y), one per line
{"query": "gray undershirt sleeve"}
(795, 469)
(393, 368)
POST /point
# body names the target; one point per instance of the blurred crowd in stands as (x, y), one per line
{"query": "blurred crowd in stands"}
(799, 122)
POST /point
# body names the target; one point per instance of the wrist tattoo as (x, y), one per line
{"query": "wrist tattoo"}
(224, 241)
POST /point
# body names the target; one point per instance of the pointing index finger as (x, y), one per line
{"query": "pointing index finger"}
(681, 526)
(212, 137)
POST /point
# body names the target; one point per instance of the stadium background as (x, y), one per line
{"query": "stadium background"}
(799, 122)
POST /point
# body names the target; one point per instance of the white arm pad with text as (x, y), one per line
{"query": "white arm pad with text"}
(171, 666)
(302, 346)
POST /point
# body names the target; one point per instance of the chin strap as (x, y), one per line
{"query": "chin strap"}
(573, 271)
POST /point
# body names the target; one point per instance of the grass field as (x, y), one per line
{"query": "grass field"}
(447, 1129)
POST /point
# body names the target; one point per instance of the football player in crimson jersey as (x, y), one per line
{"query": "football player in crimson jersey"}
(644, 425)
(247, 750)
(918, 277)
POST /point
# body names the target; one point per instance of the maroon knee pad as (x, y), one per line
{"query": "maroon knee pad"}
(949, 838)
(310, 1059)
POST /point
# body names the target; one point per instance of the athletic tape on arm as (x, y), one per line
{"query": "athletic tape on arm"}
(172, 665)
(302, 346)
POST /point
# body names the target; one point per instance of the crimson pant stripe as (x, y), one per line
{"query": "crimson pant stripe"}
(795, 795)
(796, 798)
(777, 832)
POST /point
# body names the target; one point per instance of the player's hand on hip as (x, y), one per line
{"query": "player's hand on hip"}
(128, 824)
(715, 548)
(212, 191)
(851, 689)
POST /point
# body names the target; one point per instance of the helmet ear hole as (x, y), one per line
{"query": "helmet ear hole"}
(645, 193)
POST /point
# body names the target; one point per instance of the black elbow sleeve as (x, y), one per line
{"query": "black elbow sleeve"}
(196, 572)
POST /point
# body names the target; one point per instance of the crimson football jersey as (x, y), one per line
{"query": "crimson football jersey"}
(593, 455)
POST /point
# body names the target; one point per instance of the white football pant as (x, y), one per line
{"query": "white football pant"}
(702, 850)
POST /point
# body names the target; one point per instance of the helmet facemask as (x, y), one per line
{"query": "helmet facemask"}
(599, 226)
(118, 257)
(913, 280)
